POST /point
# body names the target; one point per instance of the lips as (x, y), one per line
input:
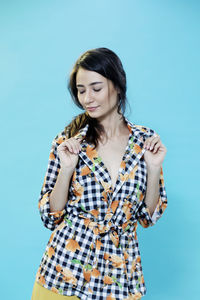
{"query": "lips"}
(92, 108)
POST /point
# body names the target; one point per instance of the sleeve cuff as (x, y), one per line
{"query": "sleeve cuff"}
(50, 218)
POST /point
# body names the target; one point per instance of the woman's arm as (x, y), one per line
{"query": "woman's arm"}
(59, 194)
(155, 198)
(152, 192)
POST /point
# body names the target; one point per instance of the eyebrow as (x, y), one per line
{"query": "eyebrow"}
(93, 83)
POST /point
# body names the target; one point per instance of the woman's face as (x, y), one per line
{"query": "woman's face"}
(96, 93)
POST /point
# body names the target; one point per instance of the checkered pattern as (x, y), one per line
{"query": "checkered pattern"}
(81, 258)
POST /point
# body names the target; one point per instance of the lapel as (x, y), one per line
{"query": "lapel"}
(133, 153)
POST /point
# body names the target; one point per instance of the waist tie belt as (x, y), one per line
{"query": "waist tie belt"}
(104, 227)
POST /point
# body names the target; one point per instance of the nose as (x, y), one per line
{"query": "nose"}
(88, 98)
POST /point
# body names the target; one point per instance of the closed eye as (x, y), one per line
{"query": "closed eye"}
(81, 92)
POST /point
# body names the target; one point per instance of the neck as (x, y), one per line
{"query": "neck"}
(114, 126)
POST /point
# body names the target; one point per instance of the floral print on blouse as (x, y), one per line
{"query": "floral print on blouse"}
(93, 250)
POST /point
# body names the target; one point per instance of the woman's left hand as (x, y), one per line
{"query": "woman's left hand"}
(155, 153)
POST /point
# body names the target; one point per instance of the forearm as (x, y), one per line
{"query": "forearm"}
(59, 194)
(152, 192)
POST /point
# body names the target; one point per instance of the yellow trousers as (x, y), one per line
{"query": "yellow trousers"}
(41, 293)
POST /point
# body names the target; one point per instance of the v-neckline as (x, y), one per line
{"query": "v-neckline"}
(123, 158)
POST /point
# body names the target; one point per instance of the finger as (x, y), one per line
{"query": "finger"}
(75, 144)
(156, 147)
(69, 144)
(150, 139)
(153, 143)
(148, 143)
(78, 144)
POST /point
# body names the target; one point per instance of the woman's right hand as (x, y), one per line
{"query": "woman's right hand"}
(68, 153)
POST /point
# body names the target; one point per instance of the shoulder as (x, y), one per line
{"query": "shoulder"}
(143, 132)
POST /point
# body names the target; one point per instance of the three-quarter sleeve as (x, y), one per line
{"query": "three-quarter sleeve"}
(143, 214)
(51, 219)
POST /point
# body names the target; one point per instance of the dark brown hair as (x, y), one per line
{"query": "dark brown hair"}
(107, 63)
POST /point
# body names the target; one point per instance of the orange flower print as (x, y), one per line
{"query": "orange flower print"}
(92, 225)
(68, 276)
(78, 192)
(114, 205)
(39, 277)
(56, 214)
(85, 170)
(90, 152)
(127, 209)
(38, 273)
(44, 200)
(110, 297)
(51, 237)
(106, 256)
(124, 177)
(133, 267)
(96, 231)
(98, 244)
(135, 262)
(42, 280)
(117, 261)
(74, 176)
(86, 222)
(50, 252)
(123, 165)
(124, 225)
(95, 273)
(87, 275)
(137, 296)
(60, 140)
(52, 156)
(109, 214)
(137, 148)
(58, 268)
(53, 289)
(104, 196)
(72, 245)
(106, 186)
(107, 280)
(114, 238)
(94, 212)
(141, 196)
(132, 173)
(163, 206)
(126, 255)
(129, 128)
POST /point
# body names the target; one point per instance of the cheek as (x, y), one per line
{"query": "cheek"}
(108, 100)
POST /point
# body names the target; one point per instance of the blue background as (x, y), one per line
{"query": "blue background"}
(158, 43)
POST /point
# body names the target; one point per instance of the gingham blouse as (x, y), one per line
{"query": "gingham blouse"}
(93, 251)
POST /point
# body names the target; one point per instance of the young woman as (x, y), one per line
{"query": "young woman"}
(104, 175)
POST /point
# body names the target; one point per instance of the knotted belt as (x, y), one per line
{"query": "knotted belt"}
(104, 227)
